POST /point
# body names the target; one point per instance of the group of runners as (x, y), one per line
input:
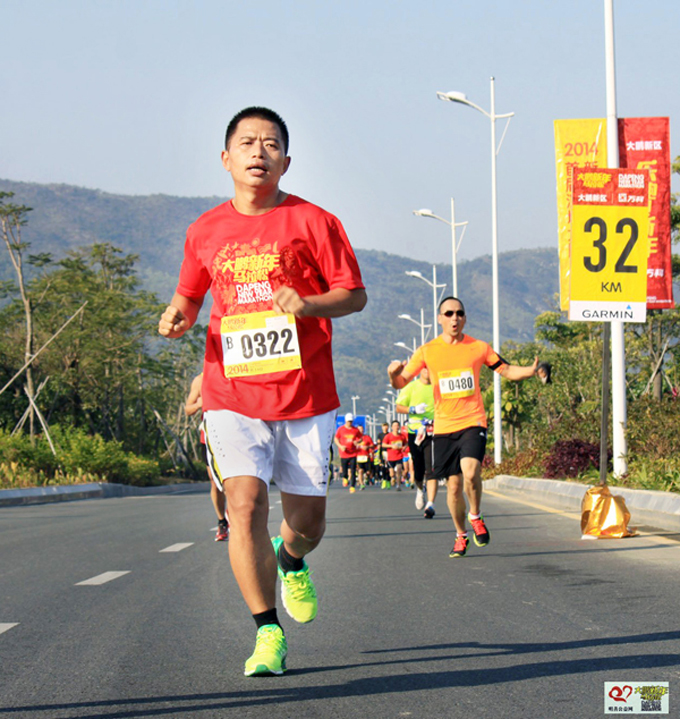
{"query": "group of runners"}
(279, 269)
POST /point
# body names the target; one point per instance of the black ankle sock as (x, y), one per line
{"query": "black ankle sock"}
(268, 617)
(222, 522)
(288, 563)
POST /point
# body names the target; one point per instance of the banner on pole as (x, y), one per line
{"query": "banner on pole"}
(644, 143)
(578, 143)
(609, 245)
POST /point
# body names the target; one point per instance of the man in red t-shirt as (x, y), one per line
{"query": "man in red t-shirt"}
(278, 269)
(365, 460)
(394, 442)
(347, 440)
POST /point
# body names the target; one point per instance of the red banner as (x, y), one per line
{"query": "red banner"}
(644, 143)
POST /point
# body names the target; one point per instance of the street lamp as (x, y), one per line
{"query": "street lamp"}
(455, 245)
(462, 99)
(410, 350)
(354, 404)
(435, 287)
(420, 324)
(391, 411)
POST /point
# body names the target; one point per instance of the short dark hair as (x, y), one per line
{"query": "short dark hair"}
(263, 113)
(450, 297)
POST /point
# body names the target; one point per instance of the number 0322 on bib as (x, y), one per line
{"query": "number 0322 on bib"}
(259, 343)
(609, 245)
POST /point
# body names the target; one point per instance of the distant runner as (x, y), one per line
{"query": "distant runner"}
(455, 361)
(193, 404)
(347, 440)
(394, 442)
(417, 401)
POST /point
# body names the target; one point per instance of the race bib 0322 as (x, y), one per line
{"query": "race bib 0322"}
(259, 343)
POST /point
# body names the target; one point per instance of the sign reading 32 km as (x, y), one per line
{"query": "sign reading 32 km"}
(609, 245)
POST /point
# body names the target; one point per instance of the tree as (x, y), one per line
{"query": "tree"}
(12, 219)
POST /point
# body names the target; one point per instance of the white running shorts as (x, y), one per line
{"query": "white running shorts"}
(295, 453)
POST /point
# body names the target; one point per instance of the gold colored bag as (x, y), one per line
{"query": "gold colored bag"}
(603, 515)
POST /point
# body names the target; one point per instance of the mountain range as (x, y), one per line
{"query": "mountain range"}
(65, 217)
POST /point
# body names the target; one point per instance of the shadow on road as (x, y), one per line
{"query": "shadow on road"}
(277, 692)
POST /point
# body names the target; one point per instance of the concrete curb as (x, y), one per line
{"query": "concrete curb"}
(647, 507)
(96, 490)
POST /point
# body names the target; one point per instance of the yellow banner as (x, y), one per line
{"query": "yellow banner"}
(578, 143)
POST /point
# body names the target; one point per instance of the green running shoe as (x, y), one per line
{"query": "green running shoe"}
(270, 652)
(297, 590)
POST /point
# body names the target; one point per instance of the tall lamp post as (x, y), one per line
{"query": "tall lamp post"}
(455, 244)
(420, 324)
(404, 346)
(391, 411)
(354, 404)
(435, 287)
(462, 99)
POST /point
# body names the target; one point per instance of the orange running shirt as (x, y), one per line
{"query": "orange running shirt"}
(454, 373)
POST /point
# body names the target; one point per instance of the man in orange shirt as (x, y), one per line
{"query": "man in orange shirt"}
(454, 361)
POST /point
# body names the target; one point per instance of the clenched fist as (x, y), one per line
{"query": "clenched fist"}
(173, 323)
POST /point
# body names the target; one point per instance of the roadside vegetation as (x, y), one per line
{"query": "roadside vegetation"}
(102, 398)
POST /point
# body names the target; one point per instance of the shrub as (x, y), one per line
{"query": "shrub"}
(80, 458)
(572, 458)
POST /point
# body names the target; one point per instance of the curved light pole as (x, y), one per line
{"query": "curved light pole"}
(460, 97)
(455, 244)
(354, 404)
(404, 346)
(420, 324)
(435, 287)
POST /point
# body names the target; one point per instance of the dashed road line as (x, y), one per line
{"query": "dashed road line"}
(177, 547)
(101, 579)
(5, 627)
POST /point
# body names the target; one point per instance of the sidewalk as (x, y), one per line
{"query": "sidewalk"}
(96, 490)
(648, 508)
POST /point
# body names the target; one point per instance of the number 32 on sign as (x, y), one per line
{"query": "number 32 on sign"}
(609, 245)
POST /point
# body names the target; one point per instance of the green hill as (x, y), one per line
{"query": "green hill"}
(153, 227)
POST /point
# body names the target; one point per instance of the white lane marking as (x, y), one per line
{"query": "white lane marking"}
(7, 626)
(102, 579)
(177, 547)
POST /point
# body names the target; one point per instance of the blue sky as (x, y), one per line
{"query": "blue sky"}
(133, 97)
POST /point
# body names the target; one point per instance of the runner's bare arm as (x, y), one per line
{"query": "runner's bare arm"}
(179, 316)
(398, 378)
(334, 303)
(517, 372)
(402, 409)
(194, 399)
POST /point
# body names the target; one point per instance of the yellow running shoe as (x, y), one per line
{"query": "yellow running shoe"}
(270, 652)
(298, 593)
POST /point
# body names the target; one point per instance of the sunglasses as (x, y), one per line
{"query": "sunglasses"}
(451, 313)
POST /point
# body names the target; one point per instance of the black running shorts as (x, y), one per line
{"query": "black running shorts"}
(349, 464)
(449, 449)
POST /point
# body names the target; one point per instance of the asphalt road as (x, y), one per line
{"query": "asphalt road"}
(530, 626)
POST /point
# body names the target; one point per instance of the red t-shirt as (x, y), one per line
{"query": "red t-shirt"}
(253, 363)
(394, 454)
(365, 447)
(347, 436)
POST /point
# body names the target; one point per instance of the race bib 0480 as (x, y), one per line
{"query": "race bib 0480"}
(259, 343)
(456, 384)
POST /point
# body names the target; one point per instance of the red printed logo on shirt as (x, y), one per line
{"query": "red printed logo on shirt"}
(247, 275)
